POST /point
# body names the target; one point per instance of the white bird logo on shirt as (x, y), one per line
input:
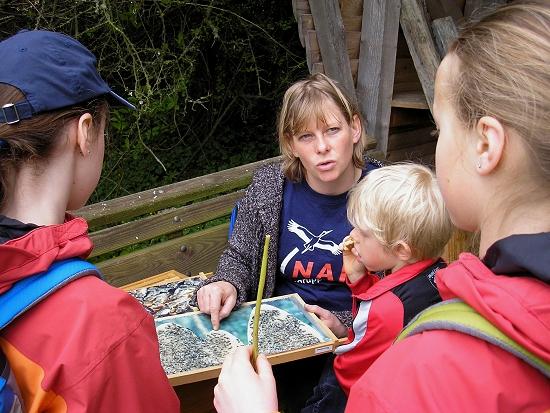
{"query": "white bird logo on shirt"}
(312, 241)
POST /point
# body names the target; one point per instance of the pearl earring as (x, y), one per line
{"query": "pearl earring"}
(479, 163)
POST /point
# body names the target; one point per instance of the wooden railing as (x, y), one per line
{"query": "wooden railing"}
(181, 226)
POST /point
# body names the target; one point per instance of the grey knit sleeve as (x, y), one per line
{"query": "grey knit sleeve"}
(239, 263)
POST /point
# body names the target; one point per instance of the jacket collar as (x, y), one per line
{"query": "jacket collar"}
(520, 255)
(401, 276)
(38, 249)
(11, 228)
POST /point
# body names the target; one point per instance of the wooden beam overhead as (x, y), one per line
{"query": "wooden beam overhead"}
(445, 32)
(471, 7)
(414, 24)
(376, 71)
(332, 42)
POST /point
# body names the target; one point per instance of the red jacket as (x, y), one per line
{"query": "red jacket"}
(88, 347)
(381, 309)
(442, 370)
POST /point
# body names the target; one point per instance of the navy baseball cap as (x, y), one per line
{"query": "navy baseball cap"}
(53, 71)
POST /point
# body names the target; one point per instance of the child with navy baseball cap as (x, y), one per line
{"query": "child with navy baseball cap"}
(53, 71)
(69, 341)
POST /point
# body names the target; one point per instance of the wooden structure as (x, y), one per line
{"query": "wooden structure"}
(181, 226)
(386, 54)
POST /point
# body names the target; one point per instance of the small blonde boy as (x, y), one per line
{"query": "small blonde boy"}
(400, 229)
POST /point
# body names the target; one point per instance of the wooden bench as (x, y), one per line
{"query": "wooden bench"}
(181, 226)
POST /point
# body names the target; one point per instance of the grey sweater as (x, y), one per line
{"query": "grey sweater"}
(258, 215)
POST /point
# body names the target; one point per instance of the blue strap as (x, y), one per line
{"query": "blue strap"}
(14, 112)
(27, 292)
(7, 397)
(233, 218)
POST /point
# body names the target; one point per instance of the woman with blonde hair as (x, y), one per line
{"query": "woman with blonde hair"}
(300, 203)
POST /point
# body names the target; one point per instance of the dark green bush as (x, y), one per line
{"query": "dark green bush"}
(207, 78)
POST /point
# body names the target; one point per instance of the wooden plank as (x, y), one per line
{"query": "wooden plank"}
(473, 7)
(445, 32)
(352, 23)
(332, 43)
(167, 222)
(305, 23)
(313, 54)
(420, 153)
(351, 7)
(401, 138)
(163, 278)
(421, 45)
(406, 78)
(188, 255)
(300, 7)
(411, 100)
(353, 41)
(409, 117)
(377, 66)
(354, 63)
(176, 194)
(412, 86)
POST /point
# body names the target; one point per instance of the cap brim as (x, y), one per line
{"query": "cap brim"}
(120, 101)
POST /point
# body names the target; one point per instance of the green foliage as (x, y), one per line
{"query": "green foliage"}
(207, 78)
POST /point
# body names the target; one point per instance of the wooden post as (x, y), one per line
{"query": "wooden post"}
(414, 24)
(445, 32)
(350, 7)
(300, 7)
(305, 23)
(376, 71)
(332, 42)
(473, 6)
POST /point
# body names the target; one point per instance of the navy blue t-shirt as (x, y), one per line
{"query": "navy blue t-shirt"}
(310, 262)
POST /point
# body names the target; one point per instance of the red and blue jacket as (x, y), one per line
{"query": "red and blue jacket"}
(381, 309)
(442, 370)
(86, 347)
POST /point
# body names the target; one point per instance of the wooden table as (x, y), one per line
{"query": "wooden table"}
(198, 397)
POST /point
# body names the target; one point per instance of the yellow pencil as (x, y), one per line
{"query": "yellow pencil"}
(261, 284)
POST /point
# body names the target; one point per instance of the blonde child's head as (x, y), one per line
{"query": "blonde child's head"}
(306, 100)
(401, 203)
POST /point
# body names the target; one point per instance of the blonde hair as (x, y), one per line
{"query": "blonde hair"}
(402, 203)
(504, 72)
(303, 101)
